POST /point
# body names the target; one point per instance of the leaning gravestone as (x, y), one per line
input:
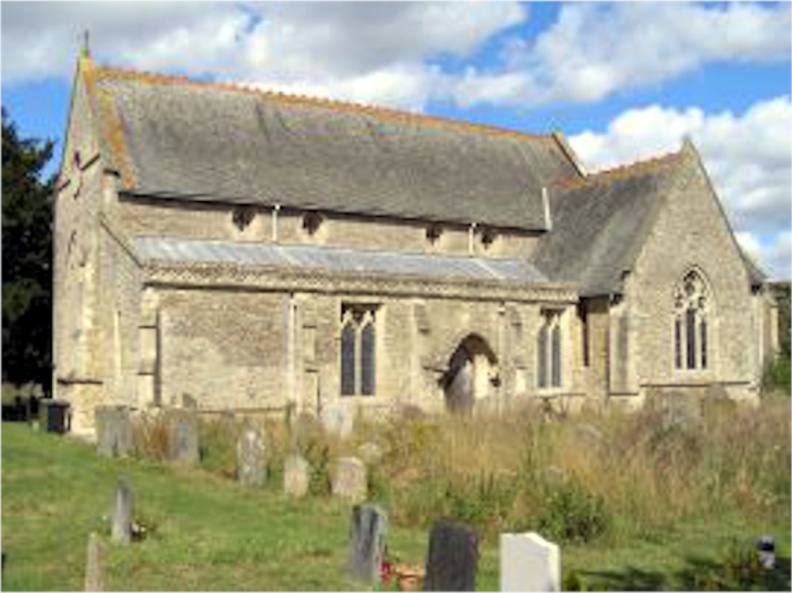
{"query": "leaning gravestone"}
(349, 479)
(529, 563)
(337, 420)
(250, 457)
(123, 513)
(296, 476)
(453, 558)
(367, 531)
(182, 435)
(94, 566)
(113, 431)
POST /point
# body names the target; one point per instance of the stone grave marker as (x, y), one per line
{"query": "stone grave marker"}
(528, 562)
(337, 420)
(349, 479)
(367, 531)
(94, 564)
(251, 467)
(296, 476)
(182, 435)
(123, 512)
(113, 431)
(453, 558)
(370, 453)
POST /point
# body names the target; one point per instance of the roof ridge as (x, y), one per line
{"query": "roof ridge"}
(377, 111)
(624, 170)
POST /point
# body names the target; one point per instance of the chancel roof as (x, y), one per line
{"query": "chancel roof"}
(173, 138)
(600, 223)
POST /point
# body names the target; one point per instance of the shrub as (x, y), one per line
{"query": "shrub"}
(217, 447)
(776, 376)
(572, 514)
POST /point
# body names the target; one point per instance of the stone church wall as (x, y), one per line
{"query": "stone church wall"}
(214, 221)
(231, 348)
(691, 233)
(77, 328)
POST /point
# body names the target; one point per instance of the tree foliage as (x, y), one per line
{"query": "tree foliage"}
(27, 259)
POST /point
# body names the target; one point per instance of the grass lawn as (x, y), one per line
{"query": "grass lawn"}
(210, 534)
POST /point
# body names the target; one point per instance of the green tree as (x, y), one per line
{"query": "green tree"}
(27, 259)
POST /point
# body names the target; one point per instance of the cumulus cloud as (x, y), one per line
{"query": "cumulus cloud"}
(595, 49)
(376, 52)
(747, 156)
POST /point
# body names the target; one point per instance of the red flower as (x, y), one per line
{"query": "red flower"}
(386, 572)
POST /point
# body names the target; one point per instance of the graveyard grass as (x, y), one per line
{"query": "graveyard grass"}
(635, 506)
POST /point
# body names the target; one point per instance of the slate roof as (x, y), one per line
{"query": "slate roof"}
(598, 225)
(174, 138)
(335, 259)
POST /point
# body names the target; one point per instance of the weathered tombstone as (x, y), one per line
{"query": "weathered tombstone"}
(296, 476)
(681, 409)
(182, 435)
(529, 563)
(349, 479)
(370, 453)
(94, 564)
(453, 558)
(113, 431)
(250, 457)
(122, 513)
(367, 532)
(337, 420)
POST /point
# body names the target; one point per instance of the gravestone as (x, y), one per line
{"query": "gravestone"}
(681, 409)
(453, 558)
(529, 563)
(94, 564)
(123, 512)
(113, 431)
(337, 420)
(250, 457)
(182, 435)
(296, 476)
(370, 453)
(349, 479)
(367, 531)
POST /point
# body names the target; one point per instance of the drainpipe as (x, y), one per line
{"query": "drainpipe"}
(471, 232)
(275, 211)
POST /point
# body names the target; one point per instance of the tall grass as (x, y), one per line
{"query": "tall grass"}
(613, 476)
(588, 476)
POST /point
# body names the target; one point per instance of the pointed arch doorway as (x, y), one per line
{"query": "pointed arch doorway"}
(472, 369)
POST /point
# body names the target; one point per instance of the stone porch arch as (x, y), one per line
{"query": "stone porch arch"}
(471, 371)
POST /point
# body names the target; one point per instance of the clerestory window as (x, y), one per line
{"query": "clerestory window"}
(691, 303)
(358, 350)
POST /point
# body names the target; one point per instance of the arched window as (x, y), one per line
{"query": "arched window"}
(691, 300)
(549, 350)
(556, 356)
(367, 360)
(541, 348)
(348, 359)
(358, 349)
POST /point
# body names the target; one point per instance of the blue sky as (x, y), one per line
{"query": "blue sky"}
(622, 81)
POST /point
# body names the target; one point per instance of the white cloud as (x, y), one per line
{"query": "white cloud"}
(747, 155)
(595, 49)
(378, 52)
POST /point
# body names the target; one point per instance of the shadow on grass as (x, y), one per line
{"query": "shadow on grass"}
(699, 574)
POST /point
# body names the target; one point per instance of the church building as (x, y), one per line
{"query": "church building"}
(250, 250)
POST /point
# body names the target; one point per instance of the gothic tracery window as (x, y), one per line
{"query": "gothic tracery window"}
(358, 351)
(691, 303)
(549, 350)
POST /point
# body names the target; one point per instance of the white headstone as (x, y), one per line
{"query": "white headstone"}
(337, 420)
(528, 562)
